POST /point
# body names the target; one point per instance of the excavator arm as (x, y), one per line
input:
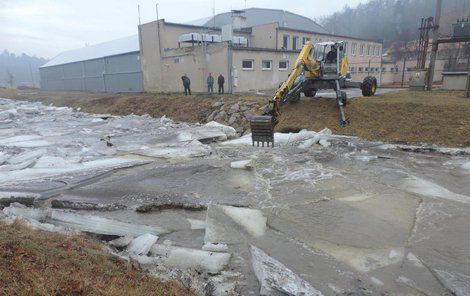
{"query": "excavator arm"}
(262, 127)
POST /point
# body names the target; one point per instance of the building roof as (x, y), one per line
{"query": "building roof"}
(261, 16)
(100, 50)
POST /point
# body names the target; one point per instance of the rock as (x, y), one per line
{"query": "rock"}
(275, 277)
(121, 242)
(234, 108)
(211, 116)
(185, 258)
(217, 104)
(141, 245)
(232, 119)
(242, 164)
(221, 116)
(87, 206)
(244, 108)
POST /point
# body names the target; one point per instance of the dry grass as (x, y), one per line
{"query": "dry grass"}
(440, 117)
(41, 263)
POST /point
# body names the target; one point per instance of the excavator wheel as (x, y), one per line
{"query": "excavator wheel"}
(369, 86)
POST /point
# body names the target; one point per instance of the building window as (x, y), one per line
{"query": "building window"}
(176, 60)
(247, 64)
(360, 69)
(377, 70)
(362, 48)
(345, 48)
(367, 69)
(377, 51)
(369, 50)
(353, 49)
(285, 41)
(392, 70)
(352, 69)
(305, 40)
(283, 65)
(295, 42)
(409, 69)
(266, 65)
(383, 69)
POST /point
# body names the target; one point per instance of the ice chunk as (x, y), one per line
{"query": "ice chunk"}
(141, 245)
(415, 260)
(252, 220)
(87, 223)
(22, 211)
(229, 131)
(25, 156)
(456, 282)
(99, 225)
(18, 166)
(426, 188)
(182, 150)
(121, 242)
(376, 281)
(466, 166)
(325, 143)
(275, 277)
(242, 164)
(362, 259)
(197, 224)
(215, 247)
(185, 258)
(355, 198)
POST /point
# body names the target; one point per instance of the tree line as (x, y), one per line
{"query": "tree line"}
(19, 70)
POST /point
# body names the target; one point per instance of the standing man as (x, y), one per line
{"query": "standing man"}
(210, 83)
(186, 84)
(220, 82)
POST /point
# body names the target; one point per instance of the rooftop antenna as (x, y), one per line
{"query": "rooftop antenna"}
(156, 10)
(138, 12)
(213, 13)
(245, 4)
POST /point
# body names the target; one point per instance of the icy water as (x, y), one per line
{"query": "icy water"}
(353, 218)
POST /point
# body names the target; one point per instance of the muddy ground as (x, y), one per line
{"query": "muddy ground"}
(441, 117)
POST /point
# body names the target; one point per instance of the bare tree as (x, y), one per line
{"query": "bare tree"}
(10, 79)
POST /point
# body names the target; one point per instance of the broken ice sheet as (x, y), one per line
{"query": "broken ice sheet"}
(274, 276)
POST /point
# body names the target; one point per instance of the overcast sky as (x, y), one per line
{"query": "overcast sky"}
(47, 27)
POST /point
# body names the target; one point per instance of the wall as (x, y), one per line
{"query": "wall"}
(258, 79)
(264, 36)
(454, 81)
(119, 73)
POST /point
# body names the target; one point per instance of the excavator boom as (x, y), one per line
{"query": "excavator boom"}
(262, 127)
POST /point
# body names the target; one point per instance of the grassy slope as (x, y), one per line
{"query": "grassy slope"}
(41, 263)
(440, 117)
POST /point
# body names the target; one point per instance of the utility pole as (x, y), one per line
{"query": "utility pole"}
(435, 44)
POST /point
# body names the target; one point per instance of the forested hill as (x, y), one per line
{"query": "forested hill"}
(390, 20)
(16, 70)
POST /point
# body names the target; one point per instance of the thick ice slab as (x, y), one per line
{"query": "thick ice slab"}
(186, 258)
(141, 245)
(274, 276)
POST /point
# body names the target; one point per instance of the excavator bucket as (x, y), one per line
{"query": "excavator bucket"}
(262, 130)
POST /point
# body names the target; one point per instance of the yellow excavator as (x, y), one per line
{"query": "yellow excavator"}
(320, 66)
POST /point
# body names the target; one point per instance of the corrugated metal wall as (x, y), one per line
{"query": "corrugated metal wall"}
(119, 73)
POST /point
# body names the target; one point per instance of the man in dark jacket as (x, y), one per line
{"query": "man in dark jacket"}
(210, 83)
(220, 82)
(186, 84)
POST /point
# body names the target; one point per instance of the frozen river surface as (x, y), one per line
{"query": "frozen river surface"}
(344, 217)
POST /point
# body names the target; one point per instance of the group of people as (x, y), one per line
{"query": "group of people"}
(210, 83)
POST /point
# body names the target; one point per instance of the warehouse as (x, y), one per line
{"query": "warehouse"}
(112, 66)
